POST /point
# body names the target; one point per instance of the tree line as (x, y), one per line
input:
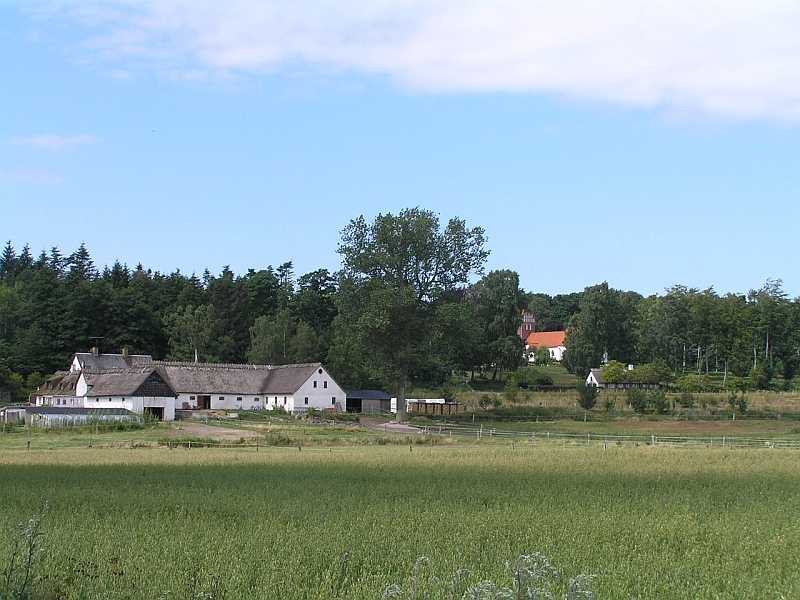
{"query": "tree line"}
(411, 304)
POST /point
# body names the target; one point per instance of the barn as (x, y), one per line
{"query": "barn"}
(368, 401)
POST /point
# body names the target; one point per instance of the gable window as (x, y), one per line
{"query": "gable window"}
(320, 371)
(306, 399)
(325, 384)
(315, 383)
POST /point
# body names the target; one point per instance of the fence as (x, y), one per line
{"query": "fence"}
(587, 439)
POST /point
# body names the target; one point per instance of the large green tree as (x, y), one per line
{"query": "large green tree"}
(403, 266)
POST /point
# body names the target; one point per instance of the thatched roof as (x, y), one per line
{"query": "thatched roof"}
(144, 381)
(251, 380)
(104, 362)
(61, 383)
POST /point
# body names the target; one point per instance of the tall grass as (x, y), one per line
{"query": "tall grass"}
(649, 522)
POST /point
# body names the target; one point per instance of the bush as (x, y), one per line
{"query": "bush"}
(759, 378)
(610, 403)
(695, 382)
(637, 399)
(587, 396)
(658, 400)
(686, 400)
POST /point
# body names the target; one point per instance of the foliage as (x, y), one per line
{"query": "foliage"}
(397, 271)
(638, 400)
(587, 396)
(532, 577)
(694, 383)
(542, 357)
(21, 571)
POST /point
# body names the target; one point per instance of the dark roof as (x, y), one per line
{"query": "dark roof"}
(211, 378)
(61, 383)
(54, 410)
(144, 381)
(368, 395)
(103, 362)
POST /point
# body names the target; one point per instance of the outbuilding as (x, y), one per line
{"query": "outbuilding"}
(53, 417)
(368, 401)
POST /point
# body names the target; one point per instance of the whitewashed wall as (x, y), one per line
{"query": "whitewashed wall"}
(135, 404)
(320, 397)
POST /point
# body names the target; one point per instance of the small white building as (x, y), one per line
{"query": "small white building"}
(53, 417)
(595, 378)
(554, 341)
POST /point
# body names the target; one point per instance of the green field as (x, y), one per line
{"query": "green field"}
(649, 522)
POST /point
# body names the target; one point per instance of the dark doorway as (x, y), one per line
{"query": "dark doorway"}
(155, 412)
(204, 403)
(354, 405)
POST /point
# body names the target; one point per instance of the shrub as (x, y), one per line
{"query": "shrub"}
(658, 400)
(532, 577)
(614, 372)
(759, 378)
(637, 399)
(587, 396)
(610, 403)
(686, 400)
(542, 357)
(19, 574)
(695, 382)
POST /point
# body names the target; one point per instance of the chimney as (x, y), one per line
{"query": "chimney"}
(125, 351)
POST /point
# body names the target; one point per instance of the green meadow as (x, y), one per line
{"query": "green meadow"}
(349, 522)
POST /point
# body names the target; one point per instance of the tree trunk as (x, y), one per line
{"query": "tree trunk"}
(401, 401)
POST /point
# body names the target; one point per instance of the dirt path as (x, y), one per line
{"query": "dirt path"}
(390, 427)
(191, 428)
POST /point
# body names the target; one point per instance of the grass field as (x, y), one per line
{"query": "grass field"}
(649, 522)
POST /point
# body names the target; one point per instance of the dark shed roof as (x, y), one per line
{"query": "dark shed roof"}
(367, 395)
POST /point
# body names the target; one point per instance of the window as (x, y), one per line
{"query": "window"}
(325, 384)
(315, 383)
(258, 399)
(333, 399)
(320, 371)
(239, 399)
(222, 398)
(306, 399)
(191, 398)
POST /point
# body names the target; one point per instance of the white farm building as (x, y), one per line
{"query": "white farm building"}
(141, 385)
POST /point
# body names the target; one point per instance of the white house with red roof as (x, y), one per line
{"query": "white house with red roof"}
(554, 341)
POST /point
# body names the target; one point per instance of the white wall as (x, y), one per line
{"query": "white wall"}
(319, 397)
(134, 404)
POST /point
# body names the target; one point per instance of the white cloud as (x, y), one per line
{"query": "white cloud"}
(735, 58)
(50, 141)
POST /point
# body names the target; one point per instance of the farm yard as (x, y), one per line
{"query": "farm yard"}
(348, 522)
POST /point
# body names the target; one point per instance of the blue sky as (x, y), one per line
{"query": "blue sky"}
(155, 145)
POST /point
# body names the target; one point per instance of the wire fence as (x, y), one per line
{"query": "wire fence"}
(587, 439)
(432, 433)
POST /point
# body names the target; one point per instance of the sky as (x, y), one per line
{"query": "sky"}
(643, 144)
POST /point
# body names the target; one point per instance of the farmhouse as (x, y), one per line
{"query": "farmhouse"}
(554, 341)
(293, 388)
(141, 385)
(142, 390)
